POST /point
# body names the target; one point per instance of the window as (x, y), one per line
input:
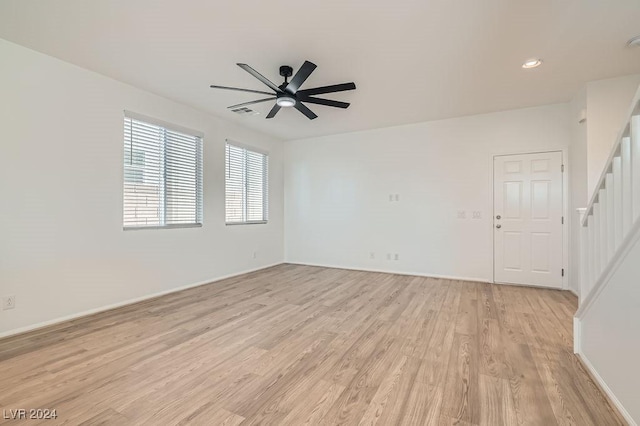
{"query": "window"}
(134, 165)
(162, 174)
(247, 187)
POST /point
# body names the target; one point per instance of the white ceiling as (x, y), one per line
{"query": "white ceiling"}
(411, 60)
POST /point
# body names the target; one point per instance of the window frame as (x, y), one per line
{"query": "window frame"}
(265, 183)
(199, 190)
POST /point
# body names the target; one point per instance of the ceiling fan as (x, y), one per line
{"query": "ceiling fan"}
(287, 94)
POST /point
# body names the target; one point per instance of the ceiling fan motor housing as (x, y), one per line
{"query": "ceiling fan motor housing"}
(286, 71)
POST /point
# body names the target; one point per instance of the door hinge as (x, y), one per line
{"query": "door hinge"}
(563, 272)
(563, 220)
(562, 168)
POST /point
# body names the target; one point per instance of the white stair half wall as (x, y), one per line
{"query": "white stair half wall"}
(607, 323)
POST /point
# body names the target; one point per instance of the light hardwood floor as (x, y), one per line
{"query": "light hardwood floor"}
(305, 345)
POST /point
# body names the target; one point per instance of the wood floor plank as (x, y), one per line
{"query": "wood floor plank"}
(461, 398)
(352, 404)
(395, 406)
(312, 407)
(302, 345)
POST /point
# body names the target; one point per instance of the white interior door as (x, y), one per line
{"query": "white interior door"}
(527, 219)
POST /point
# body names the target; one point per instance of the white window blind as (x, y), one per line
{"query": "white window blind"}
(247, 187)
(162, 175)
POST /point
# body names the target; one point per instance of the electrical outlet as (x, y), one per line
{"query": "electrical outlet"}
(477, 214)
(397, 256)
(8, 302)
(462, 214)
(390, 197)
(397, 197)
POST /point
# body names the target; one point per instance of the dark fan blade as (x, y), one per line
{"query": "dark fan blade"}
(327, 89)
(260, 77)
(273, 111)
(306, 111)
(327, 102)
(240, 90)
(303, 73)
(251, 103)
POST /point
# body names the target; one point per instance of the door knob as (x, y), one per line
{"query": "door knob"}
(498, 226)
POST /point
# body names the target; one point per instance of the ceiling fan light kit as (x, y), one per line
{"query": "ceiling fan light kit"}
(532, 63)
(288, 95)
(285, 101)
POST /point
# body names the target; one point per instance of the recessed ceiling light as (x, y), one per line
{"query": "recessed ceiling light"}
(532, 63)
(634, 42)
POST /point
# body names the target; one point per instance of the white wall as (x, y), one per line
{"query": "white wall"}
(608, 103)
(577, 183)
(62, 247)
(610, 333)
(337, 191)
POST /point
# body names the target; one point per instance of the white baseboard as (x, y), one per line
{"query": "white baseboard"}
(126, 302)
(577, 336)
(386, 271)
(606, 389)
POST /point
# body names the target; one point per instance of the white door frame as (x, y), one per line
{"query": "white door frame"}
(565, 210)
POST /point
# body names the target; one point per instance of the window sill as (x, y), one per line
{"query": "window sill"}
(140, 228)
(257, 222)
